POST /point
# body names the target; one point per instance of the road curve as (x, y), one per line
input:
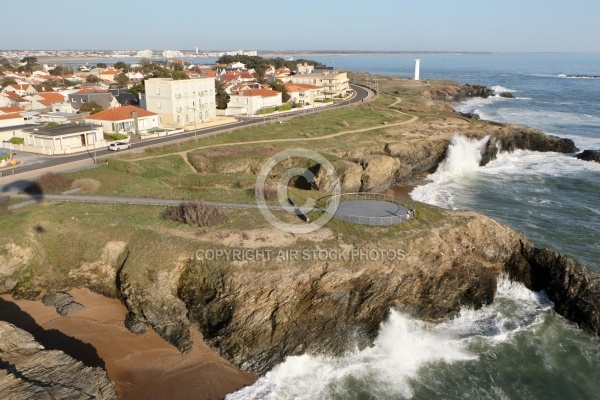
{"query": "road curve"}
(360, 95)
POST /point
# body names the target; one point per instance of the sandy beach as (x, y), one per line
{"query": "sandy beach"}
(142, 366)
(402, 191)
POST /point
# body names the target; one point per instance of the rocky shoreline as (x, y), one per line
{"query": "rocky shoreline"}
(256, 315)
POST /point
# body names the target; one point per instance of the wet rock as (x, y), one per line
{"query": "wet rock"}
(589, 155)
(63, 302)
(507, 95)
(28, 371)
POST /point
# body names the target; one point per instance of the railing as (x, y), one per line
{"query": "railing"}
(328, 204)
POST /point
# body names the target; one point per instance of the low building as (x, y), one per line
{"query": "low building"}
(335, 83)
(302, 93)
(128, 119)
(62, 139)
(251, 101)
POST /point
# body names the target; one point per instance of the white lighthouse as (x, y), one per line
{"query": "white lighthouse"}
(417, 69)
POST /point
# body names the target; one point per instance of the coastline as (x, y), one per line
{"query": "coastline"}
(141, 366)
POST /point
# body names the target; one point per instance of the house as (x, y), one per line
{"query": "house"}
(125, 119)
(180, 103)
(8, 99)
(102, 97)
(125, 98)
(302, 93)
(109, 74)
(335, 83)
(21, 89)
(252, 100)
(62, 139)
(45, 100)
(11, 119)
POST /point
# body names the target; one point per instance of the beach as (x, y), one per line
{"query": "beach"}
(141, 366)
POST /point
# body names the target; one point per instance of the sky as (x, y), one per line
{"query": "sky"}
(377, 25)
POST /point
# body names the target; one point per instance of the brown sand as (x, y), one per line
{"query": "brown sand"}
(142, 366)
(401, 191)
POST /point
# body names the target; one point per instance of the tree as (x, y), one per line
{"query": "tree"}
(101, 65)
(122, 66)
(121, 80)
(92, 79)
(136, 88)
(8, 81)
(221, 96)
(61, 70)
(280, 87)
(92, 107)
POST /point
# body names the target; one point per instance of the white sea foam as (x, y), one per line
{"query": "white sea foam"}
(461, 163)
(501, 89)
(404, 346)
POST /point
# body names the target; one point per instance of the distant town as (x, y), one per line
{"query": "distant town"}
(54, 107)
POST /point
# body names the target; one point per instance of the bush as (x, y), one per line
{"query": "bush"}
(266, 110)
(52, 123)
(195, 214)
(115, 136)
(50, 183)
(284, 107)
(17, 140)
(4, 156)
(268, 193)
(343, 124)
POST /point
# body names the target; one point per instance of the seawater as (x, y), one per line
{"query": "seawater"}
(518, 347)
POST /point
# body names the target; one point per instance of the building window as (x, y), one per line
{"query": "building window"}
(246, 101)
(158, 106)
(187, 119)
(178, 119)
(158, 91)
(84, 100)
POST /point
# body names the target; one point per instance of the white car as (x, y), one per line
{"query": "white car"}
(119, 146)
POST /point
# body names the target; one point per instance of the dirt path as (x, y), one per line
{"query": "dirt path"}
(183, 154)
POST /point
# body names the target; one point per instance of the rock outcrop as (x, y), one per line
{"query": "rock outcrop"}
(257, 316)
(28, 371)
(63, 302)
(156, 306)
(574, 289)
(456, 93)
(589, 155)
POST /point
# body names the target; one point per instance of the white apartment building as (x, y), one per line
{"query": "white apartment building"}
(335, 83)
(179, 103)
(171, 53)
(251, 101)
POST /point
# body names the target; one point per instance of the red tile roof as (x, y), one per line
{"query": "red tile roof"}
(257, 92)
(15, 97)
(296, 87)
(90, 90)
(11, 116)
(121, 113)
(54, 97)
(12, 109)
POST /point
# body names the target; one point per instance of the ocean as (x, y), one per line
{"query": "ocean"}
(518, 347)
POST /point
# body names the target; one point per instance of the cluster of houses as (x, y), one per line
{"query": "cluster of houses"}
(35, 117)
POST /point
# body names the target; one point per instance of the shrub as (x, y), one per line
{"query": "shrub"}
(52, 123)
(3, 205)
(17, 140)
(266, 110)
(50, 182)
(115, 136)
(4, 156)
(284, 107)
(194, 214)
(343, 124)
(269, 193)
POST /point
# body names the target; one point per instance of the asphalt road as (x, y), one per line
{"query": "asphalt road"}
(50, 161)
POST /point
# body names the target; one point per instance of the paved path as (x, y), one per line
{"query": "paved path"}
(84, 198)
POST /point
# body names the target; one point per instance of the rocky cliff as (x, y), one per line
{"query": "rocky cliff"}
(28, 371)
(256, 316)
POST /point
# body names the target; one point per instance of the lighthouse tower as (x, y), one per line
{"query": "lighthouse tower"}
(417, 69)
